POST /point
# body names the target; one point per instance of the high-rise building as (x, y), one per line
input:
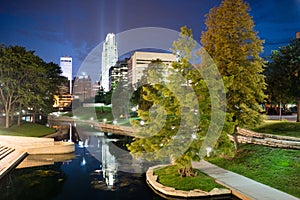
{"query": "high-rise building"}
(109, 59)
(66, 67)
(139, 61)
(118, 73)
(82, 87)
(63, 100)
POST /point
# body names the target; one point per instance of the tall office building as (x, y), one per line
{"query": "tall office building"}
(140, 61)
(63, 100)
(109, 58)
(118, 73)
(66, 67)
(82, 87)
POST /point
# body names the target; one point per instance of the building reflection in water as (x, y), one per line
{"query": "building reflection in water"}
(108, 162)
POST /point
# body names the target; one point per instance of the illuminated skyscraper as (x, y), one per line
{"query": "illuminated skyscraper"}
(109, 58)
(66, 67)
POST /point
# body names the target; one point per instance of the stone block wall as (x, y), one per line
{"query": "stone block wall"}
(247, 136)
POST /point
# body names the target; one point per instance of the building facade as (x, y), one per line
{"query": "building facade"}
(139, 61)
(66, 67)
(118, 73)
(82, 88)
(63, 100)
(109, 59)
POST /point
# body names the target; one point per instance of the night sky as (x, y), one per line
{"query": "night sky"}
(74, 27)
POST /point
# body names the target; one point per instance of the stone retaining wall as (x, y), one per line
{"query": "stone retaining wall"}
(104, 127)
(169, 191)
(247, 136)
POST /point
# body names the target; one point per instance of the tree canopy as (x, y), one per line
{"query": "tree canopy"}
(232, 42)
(283, 74)
(174, 124)
(26, 81)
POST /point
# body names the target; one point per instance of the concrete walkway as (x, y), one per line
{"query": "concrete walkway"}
(13, 149)
(241, 186)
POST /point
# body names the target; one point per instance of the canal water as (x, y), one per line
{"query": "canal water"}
(100, 168)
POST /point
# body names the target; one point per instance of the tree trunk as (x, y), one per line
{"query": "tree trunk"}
(186, 172)
(7, 114)
(235, 140)
(33, 117)
(12, 113)
(20, 115)
(298, 110)
(6, 119)
(280, 116)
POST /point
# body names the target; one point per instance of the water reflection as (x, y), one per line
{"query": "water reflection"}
(44, 160)
(98, 169)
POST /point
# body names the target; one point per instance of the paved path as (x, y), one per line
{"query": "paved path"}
(241, 186)
(291, 118)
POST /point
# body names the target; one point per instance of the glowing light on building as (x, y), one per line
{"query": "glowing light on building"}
(109, 59)
(66, 67)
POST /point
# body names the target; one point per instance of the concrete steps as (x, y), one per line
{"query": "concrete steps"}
(9, 158)
(5, 151)
(13, 149)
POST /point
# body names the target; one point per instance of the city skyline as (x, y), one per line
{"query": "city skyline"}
(75, 29)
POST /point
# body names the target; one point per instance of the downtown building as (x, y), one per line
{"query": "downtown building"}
(109, 59)
(82, 85)
(118, 74)
(140, 61)
(66, 67)
(63, 100)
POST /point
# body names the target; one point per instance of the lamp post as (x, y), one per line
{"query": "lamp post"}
(70, 133)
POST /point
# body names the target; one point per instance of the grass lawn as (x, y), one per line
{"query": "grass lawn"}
(278, 168)
(169, 176)
(28, 130)
(100, 112)
(280, 128)
(86, 113)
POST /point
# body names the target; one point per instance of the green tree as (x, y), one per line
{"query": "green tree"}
(32, 86)
(26, 81)
(54, 80)
(173, 126)
(13, 65)
(99, 98)
(283, 74)
(232, 42)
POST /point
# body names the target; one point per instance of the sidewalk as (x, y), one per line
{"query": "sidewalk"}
(290, 118)
(241, 186)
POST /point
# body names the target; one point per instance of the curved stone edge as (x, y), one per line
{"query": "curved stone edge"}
(58, 147)
(33, 145)
(169, 191)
